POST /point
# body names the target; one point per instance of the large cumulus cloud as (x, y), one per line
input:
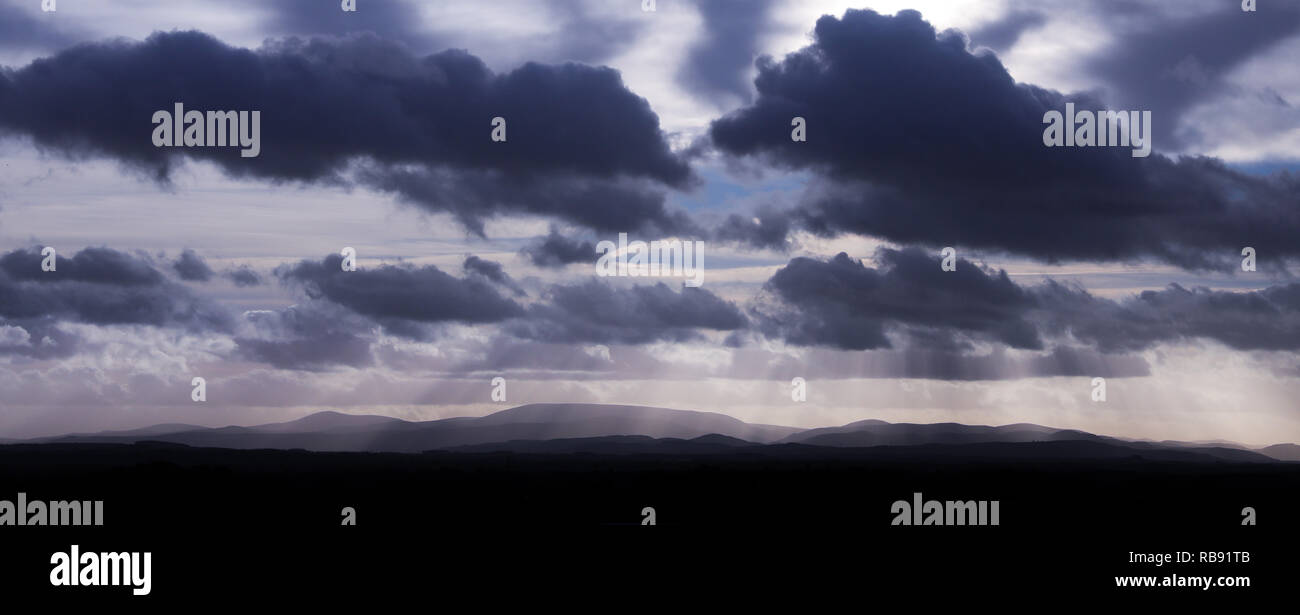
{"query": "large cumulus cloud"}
(913, 138)
(335, 111)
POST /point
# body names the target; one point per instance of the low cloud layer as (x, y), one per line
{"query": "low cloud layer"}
(403, 293)
(406, 299)
(96, 286)
(842, 303)
(596, 312)
(99, 286)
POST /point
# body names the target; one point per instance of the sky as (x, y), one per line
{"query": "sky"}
(823, 259)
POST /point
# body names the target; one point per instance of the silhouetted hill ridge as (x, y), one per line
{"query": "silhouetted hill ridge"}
(568, 428)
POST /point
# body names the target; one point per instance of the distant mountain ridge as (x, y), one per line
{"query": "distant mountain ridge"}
(873, 432)
(334, 431)
(1285, 452)
(602, 428)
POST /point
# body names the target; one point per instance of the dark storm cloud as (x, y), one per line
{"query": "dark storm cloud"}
(889, 100)
(190, 266)
(556, 250)
(327, 105)
(1171, 65)
(917, 140)
(594, 312)
(100, 286)
(843, 304)
(494, 272)
(402, 293)
(718, 66)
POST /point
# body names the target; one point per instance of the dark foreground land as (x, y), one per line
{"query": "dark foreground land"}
(802, 525)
